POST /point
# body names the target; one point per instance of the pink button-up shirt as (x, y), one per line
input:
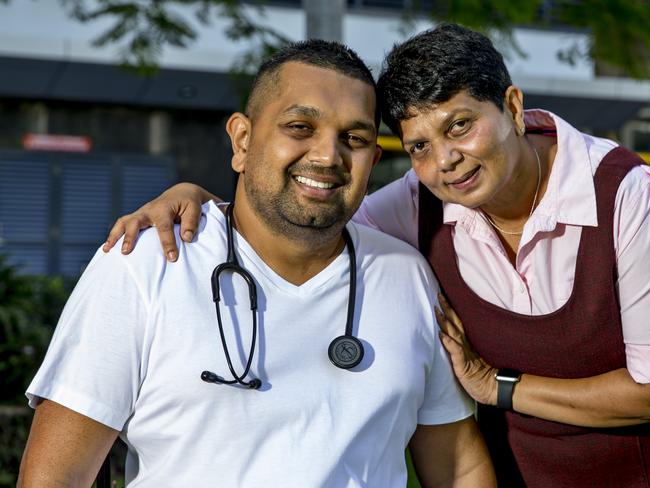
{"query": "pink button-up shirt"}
(542, 279)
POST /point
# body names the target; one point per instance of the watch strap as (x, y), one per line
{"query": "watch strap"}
(506, 381)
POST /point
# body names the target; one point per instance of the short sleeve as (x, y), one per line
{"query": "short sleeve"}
(632, 238)
(445, 401)
(93, 364)
(393, 209)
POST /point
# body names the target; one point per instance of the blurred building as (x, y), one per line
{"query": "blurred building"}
(83, 141)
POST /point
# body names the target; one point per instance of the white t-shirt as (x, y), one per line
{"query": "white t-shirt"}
(138, 331)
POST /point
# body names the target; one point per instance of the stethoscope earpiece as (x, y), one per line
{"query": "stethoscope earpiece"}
(345, 351)
(210, 377)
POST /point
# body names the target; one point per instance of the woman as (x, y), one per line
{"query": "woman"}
(540, 237)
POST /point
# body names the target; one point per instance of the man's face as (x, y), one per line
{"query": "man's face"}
(464, 150)
(310, 151)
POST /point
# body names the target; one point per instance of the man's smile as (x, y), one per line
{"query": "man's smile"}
(325, 185)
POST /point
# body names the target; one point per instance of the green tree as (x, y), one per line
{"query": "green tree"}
(620, 33)
(29, 309)
(144, 28)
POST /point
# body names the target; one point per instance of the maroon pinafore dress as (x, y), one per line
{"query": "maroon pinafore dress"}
(581, 339)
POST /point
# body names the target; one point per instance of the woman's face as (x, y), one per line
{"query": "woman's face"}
(464, 150)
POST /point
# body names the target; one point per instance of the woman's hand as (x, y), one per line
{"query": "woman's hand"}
(180, 203)
(475, 375)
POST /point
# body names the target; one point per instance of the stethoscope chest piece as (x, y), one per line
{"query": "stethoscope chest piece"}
(345, 351)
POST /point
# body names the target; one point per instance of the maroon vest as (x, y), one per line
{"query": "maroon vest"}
(581, 339)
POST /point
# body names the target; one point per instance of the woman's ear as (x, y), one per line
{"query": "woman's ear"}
(239, 130)
(514, 103)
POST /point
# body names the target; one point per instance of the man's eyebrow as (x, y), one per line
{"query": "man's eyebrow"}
(304, 110)
(315, 113)
(362, 125)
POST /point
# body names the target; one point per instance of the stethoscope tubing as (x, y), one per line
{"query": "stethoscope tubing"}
(353, 282)
(237, 378)
(345, 351)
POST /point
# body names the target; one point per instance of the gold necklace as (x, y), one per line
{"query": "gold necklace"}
(539, 180)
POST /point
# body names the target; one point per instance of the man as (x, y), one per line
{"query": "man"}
(137, 352)
(540, 237)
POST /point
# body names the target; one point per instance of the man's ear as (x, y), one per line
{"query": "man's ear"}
(514, 103)
(377, 156)
(375, 160)
(239, 130)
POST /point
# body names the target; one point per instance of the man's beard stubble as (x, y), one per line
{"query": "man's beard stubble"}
(316, 222)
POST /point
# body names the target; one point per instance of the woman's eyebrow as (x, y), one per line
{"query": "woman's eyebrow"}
(444, 121)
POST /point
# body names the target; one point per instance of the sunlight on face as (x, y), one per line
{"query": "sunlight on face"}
(311, 151)
(464, 150)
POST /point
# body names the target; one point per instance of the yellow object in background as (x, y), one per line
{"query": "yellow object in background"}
(392, 143)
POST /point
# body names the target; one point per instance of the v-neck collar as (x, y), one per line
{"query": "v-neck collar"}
(257, 267)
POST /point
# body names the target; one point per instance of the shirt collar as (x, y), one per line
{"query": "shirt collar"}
(570, 196)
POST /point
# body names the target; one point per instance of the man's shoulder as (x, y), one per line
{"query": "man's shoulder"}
(386, 249)
(148, 259)
(388, 265)
(147, 254)
(371, 238)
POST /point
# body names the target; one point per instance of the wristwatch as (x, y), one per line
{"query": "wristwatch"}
(506, 381)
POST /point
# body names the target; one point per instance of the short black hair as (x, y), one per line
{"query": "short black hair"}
(315, 52)
(435, 65)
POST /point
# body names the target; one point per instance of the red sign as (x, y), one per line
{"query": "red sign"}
(54, 142)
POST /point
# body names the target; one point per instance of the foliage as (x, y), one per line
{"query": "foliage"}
(619, 28)
(14, 428)
(29, 309)
(143, 29)
(483, 14)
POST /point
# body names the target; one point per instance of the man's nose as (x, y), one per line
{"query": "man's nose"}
(326, 150)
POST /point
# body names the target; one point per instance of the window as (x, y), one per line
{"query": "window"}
(56, 208)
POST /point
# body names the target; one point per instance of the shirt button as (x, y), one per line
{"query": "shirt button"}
(522, 289)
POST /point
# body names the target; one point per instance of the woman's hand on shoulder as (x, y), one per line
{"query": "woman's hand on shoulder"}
(179, 204)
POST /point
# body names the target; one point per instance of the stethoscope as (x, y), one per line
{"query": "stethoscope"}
(345, 351)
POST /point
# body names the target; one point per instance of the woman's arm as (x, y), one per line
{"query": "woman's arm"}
(611, 399)
(180, 203)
